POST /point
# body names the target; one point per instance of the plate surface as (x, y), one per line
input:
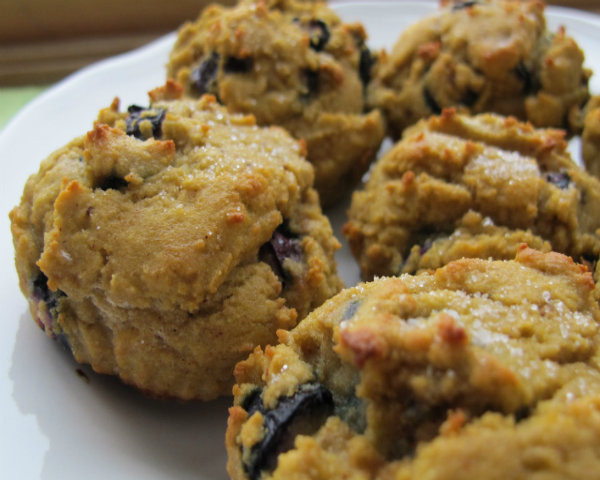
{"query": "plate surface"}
(61, 421)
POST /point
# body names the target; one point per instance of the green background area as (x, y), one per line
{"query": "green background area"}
(12, 99)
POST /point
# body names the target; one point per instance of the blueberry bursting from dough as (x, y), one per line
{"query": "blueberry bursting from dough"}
(139, 116)
(300, 414)
(283, 244)
(51, 299)
(203, 78)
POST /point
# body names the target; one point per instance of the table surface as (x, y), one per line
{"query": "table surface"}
(17, 91)
(592, 5)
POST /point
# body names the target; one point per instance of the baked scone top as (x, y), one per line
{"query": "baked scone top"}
(170, 240)
(490, 180)
(196, 203)
(402, 367)
(279, 59)
(483, 56)
(290, 63)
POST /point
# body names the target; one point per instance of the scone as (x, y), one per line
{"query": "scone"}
(460, 186)
(290, 63)
(169, 241)
(482, 56)
(590, 137)
(479, 370)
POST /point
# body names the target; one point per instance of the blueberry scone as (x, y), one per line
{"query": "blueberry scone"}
(590, 137)
(290, 63)
(482, 56)
(169, 241)
(460, 186)
(479, 370)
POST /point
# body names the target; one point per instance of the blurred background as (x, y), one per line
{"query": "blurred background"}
(42, 41)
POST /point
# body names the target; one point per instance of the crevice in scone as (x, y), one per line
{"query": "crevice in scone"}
(473, 236)
(112, 182)
(282, 246)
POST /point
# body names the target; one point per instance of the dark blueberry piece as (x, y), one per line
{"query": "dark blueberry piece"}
(463, 5)
(312, 84)
(238, 65)
(525, 75)
(138, 115)
(203, 78)
(319, 34)
(42, 293)
(469, 98)
(252, 402)
(283, 244)
(431, 102)
(561, 179)
(112, 182)
(286, 245)
(301, 414)
(365, 64)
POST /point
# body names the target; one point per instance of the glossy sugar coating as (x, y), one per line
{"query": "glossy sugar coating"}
(459, 186)
(480, 369)
(483, 56)
(165, 255)
(289, 63)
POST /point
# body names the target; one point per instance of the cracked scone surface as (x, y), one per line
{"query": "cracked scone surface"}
(169, 241)
(460, 186)
(483, 56)
(290, 63)
(480, 369)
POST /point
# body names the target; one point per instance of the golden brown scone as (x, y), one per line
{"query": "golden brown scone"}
(169, 241)
(479, 370)
(482, 56)
(590, 137)
(460, 186)
(290, 63)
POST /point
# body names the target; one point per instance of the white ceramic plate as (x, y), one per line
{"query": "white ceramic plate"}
(60, 421)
